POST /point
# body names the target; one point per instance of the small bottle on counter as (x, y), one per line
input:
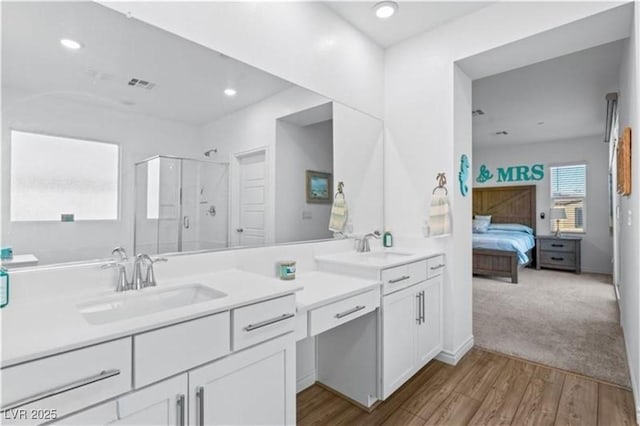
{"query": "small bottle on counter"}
(387, 239)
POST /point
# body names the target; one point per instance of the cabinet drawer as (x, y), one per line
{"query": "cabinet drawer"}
(67, 382)
(558, 245)
(558, 259)
(435, 266)
(170, 350)
(329, 316)
(394, 279)
(255, 323)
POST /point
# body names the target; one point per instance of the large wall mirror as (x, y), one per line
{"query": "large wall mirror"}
(117, 133)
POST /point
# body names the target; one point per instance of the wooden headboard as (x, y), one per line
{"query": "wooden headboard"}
(507, 204)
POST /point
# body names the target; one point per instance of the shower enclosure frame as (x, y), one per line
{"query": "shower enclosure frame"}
(180, 203)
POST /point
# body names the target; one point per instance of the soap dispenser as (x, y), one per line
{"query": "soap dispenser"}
(387, 239)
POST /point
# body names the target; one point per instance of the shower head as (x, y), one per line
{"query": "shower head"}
(208, 153)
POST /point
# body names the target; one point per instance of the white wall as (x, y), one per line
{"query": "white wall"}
(139, 137)
(597, 249)
(303, 42)
(425, 132)
(628, 217)
(301, 148)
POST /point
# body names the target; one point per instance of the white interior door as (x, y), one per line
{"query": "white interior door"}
(250, 229)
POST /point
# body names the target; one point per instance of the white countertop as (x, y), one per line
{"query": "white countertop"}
(322, 288)
(379, 259)
(20, 260)
(34, 330)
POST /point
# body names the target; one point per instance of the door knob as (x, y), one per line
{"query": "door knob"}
(239, 230)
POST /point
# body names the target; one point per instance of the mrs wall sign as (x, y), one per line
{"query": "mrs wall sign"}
(534, 172)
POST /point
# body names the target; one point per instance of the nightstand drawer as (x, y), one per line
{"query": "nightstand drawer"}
(558, 245)
(558, 259)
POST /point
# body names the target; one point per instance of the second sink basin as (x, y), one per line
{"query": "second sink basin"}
(134, 304)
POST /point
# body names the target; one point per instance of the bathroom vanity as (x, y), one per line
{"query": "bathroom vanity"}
(195, 364)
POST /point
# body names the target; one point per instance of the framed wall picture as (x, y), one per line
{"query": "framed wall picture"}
(319, 186)
(624, 162)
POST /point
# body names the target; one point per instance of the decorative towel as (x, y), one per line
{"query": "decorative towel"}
(439, 220)
(339, 214)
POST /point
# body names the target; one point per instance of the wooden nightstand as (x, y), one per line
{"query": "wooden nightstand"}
(558, 252)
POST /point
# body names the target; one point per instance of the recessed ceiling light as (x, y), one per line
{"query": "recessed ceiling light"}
(385, 9)
(70, 44)
(230, 92)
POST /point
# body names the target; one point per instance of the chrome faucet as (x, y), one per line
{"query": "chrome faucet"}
(362, 244)
(138, 280)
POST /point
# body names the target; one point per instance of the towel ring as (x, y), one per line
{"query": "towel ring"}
(340, 189)
(442, 183)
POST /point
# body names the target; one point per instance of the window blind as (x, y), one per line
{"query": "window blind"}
(568, 181)
(568, 191)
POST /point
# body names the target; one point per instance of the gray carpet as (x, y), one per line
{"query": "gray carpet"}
(559, 319)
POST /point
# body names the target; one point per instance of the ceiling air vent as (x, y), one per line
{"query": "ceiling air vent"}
(477, 112)
(142, 84)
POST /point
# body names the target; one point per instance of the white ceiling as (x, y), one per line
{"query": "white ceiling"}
(410, 19)
(567, 94)
(190, 79)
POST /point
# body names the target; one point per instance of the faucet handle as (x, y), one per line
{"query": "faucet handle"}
(151, 276)
(123, 283)
(121, 252)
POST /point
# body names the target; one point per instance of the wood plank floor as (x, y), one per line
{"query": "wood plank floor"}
(485, 388)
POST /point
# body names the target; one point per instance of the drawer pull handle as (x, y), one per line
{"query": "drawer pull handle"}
(557, 258)
(180, 412)
(433, 268)
(200, 406)
(350, 311)
(402, 278)
(265, 323)
(61, 389)
(557, 245)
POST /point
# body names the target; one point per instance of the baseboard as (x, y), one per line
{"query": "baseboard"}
(452, 358)
(596, 271)
(305, 382)
(634, 384)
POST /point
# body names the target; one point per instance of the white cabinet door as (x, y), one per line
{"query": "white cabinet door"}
(251, 387)
(161, 404)
(399, 346)
(430, 326)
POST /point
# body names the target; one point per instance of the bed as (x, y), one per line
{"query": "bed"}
(506, 205)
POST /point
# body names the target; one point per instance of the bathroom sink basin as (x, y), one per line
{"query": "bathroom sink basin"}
(134, 304)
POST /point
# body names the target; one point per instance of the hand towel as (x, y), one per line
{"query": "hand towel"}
(339, 214)
(439, 220)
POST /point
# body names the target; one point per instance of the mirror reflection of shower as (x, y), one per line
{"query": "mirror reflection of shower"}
(181, 205)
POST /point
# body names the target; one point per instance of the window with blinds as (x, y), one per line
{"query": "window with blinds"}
(569, 191)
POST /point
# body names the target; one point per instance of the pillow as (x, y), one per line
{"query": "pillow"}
(485, 218)
(515, 227)
(480, 226)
